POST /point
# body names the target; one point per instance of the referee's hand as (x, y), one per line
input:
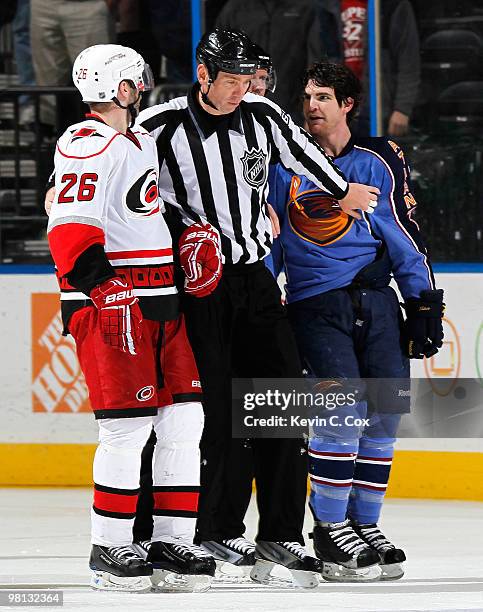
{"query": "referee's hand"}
(359, 197)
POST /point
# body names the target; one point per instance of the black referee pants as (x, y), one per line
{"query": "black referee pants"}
(241, 329)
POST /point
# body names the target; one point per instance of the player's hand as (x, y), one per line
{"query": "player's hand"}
(398, 124)
(359, 197)
(49, 198)
(423, 328)
(274, 221)
(200, 257)
(119, 314)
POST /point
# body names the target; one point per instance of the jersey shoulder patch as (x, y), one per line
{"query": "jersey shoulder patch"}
(86, 139)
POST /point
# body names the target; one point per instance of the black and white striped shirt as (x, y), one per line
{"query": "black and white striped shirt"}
(215, 168)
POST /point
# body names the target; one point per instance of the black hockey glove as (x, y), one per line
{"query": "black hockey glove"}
(423, 328)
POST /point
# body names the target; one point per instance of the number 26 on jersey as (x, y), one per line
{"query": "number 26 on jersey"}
(81, 188)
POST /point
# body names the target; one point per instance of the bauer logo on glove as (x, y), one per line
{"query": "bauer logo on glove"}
(120, 317)
(200, 257)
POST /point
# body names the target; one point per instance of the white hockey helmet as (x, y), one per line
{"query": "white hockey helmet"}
(99, 69)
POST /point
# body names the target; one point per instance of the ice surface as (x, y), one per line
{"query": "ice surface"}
(44, 543)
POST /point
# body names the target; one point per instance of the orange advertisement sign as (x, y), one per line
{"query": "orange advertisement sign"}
(58, 384)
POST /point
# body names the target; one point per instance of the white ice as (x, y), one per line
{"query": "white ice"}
(44, 543)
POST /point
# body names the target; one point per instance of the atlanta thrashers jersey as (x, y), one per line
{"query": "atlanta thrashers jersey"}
(321, 248)
(107, 201)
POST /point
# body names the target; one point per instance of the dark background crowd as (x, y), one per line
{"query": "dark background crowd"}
(431, 88)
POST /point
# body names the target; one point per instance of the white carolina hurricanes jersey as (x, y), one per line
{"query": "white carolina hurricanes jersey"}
(106, 192)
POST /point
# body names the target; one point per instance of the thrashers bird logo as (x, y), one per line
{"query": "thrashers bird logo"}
(316, 216)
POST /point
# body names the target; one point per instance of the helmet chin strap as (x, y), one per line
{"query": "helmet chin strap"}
(204, 96)
(130, 107)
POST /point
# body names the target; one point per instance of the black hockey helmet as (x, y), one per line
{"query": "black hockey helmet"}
(226, 50)
(264, 62)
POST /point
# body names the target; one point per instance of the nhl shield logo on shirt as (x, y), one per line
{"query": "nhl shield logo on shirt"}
(255, 167)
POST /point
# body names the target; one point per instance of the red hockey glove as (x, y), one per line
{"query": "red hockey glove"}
(200, 258)
(119, 314)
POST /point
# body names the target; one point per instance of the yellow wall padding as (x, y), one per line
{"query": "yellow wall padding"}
(419, 474)
(46, 464)
(437, 475)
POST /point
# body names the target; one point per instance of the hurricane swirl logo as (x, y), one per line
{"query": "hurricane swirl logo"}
(316, 216)
(141, 199)
(145, 394)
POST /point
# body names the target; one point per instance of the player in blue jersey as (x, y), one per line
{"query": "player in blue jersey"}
(348, 322)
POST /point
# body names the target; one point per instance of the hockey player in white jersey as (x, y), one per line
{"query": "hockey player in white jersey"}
(114, 260)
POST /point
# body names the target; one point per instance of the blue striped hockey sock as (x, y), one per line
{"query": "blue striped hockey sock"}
(371, 475)
(331, 469)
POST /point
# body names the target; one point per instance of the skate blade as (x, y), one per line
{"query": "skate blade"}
(232, 574)
(305, 580)
(392, 571)
(103, 581)
(165, 581)
(334, 572)
(300, 579)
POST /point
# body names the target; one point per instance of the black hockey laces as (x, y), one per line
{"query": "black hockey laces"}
(185, 548)
(240, 545)
(346, 538)
(295, 548)
(376, 538)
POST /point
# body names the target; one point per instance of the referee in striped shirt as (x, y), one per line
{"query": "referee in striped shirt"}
(215, 146)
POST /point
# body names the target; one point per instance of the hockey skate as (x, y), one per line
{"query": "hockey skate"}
(179, 567)
(119, 568)
(346, 557)
(234, 558)
(304, 570)
(391, 558)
